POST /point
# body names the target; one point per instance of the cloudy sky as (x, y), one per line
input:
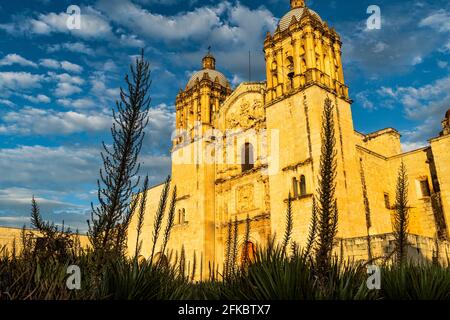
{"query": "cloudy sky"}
(57, 86)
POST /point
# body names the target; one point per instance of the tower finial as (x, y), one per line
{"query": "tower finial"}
(297, 4)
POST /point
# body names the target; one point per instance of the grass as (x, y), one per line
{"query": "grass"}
(272, 275)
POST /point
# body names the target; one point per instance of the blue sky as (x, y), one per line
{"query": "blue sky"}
(57, 86)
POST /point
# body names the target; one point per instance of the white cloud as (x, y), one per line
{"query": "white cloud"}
(131, 41)
(82, 103)
(93, 24)
(33, 121)
(66, 89)
(395, 49)
(40, 98)
(426, 104)
(99, 88)
(230, 28)
(363, 99)
(65, 77)
(53, 175)
(77, 47)
(442, 64)
(19, 80)
(439, 20)
(13, 58)
(410, 146)
(183, 26)
(66, 85)
(44, 167)
(50, 63)
(68, 66)
(65, 65)
(7, 102)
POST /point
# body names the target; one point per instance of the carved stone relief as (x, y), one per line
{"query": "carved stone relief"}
(245, 198)
(245, 114)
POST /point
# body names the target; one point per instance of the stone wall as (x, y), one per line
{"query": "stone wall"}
(420, 249)
(10, 237)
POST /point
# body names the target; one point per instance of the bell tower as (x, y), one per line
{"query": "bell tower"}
(304, 69)
(303, 51)
(199, 102)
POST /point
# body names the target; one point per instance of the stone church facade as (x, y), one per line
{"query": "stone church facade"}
(239, 153)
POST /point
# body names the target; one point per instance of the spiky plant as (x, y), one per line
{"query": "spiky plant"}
(52, 242)
(119, 177)
(326, 203)
(194, 266)
(182, 264)
(235, 247)
(170, 220)
(245, 253)
(228, 254)
(289, 224)
(159, 216)
(312, 230)
(401, 216)
(141, 216)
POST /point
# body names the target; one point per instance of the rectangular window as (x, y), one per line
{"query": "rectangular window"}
(387, 202)
(425, 188)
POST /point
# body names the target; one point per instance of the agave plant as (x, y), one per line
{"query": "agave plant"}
(415, 282)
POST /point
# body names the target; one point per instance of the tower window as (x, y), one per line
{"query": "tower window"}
(247, 157)
(302, 185)
(425, 188)
(181, 216)
(387, 202)
(295, 187)
(290, 70)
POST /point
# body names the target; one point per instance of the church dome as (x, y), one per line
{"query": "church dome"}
(213, 74)
(297, 12)
(209, 67)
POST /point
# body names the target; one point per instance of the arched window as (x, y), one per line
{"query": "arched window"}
(295, 187)
(326, 62)
(248, 253)
(247, 157)
(160, 259)
(290, 72)
(179, 216)
(183, 216)
(302, 185)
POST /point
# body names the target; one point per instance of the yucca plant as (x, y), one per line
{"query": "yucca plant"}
(415, 282)
(129, 280)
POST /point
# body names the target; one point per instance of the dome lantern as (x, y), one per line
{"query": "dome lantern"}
(297, 4)
(209, 62)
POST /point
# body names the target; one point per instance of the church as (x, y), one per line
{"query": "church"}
(239, 153)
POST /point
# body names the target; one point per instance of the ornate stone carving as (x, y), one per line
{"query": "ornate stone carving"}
(244, 198)
(245, 115)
